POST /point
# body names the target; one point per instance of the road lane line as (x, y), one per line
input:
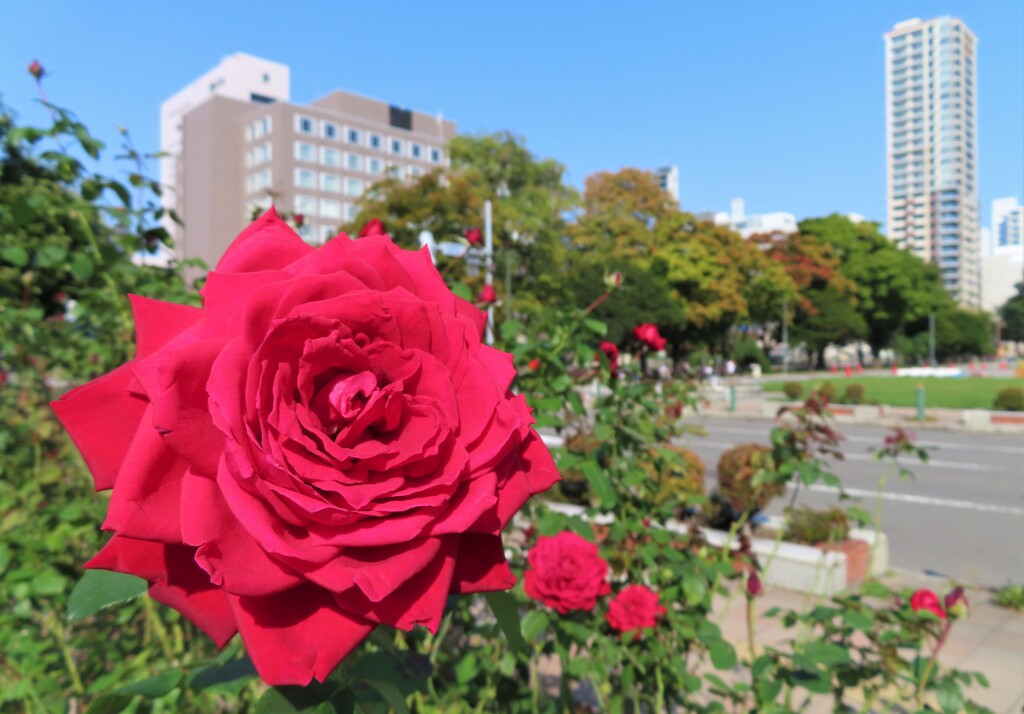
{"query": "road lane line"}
(920, 500)
(937, 463)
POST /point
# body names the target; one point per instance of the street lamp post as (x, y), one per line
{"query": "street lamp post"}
(489, 268)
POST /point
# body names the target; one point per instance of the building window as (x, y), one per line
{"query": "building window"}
(330, 183)
(353, 162)
(435, 156)
(353, 187)
(258, 129)
(375, 141)
(417, 151)
(396, 146)
(330, 130)
(395, 171)
(375, 166)
(330, 157)
(259, 181)
(353, 136)
(329, 208)
(306, 205)
(304, 125)
(415, 171)
(350, 212)
(327, 232)
(306, 231)
(305, 152)
(304, 178)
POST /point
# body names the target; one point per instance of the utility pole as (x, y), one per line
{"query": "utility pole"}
(931, 339)
(785, 334)
(489, 269)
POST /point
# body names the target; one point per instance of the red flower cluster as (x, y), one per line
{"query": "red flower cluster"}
(567, 573)
(633, 609)
(324, 447)
(648, 334)
(954, 604)
(474, 236)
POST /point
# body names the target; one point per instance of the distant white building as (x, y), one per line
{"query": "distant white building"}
(668, 180)
(778, 223)
(1007, 235)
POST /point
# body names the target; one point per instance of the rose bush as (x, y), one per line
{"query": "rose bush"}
(324, 447)
(566, 573)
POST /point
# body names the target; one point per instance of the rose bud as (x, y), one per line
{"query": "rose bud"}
(533, 365)
(373, 227)
(300, 220)
(474, 236)
(36, 70)
(613, 281)
(487, 295)
(956, 602)
(754, 585)
(925, 599)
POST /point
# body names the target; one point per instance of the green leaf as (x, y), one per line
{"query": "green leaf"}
(390, 694)
(858, 620)
(950, 697)
(602, 485)
(153, 687)
(314, 698)
(723, 656)
(99, 589)
(462, 290)
(110, 704)
(534, 624)
(467, 669)
(827, 653)
(503, 605)
(50, 255)
(81, 267)
(16, 256)
(220, 673)
(596, 326)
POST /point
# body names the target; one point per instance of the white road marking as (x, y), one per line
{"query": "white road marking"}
(921, 500)
(959, 465)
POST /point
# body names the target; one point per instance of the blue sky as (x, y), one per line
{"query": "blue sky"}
(780, 103)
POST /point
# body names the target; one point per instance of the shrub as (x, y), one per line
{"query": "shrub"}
(1010, 399)
(747, 352)
(1011, 596)
(854, 394)
(736, 470)
(574, 487)
(810, 525)
(793, 390)
(678, 474)
(827, 390)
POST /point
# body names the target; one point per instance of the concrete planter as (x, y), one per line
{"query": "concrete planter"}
(805, 568)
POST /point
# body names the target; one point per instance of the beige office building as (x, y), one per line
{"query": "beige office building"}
(236, 145)
(931, 148)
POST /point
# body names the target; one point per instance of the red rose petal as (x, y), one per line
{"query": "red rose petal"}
(174, 579)
(147, 501)
(101, 418)
(268, 244)
(534, 472)
(481, 566)
(297, 635)
(158, 322)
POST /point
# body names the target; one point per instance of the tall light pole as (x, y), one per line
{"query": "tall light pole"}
(931, 339)
(785, 334)
(489, 269)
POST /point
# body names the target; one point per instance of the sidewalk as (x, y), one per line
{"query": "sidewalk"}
(751, 406)
(989, 640)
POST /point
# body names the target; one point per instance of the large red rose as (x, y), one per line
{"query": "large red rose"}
(633, 609)
(324, 447)
(567, 573)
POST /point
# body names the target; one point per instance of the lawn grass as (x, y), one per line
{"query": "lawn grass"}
(940, 392)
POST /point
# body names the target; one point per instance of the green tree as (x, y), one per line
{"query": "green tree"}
(1012, 315)
(894, 288)
(834, 320)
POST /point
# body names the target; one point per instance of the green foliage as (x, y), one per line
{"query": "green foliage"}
(827, 390)
(1011, 597)
(678, 475)
(812, 526)
(747, 352)
(1011, 314)
(738, 478)
(793, 390)
(854, 394)
(1010, 399)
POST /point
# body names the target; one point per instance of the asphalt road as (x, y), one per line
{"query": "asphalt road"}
(962, 516)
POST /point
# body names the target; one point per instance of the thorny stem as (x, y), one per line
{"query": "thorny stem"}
(594, 305)
(923, 684)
